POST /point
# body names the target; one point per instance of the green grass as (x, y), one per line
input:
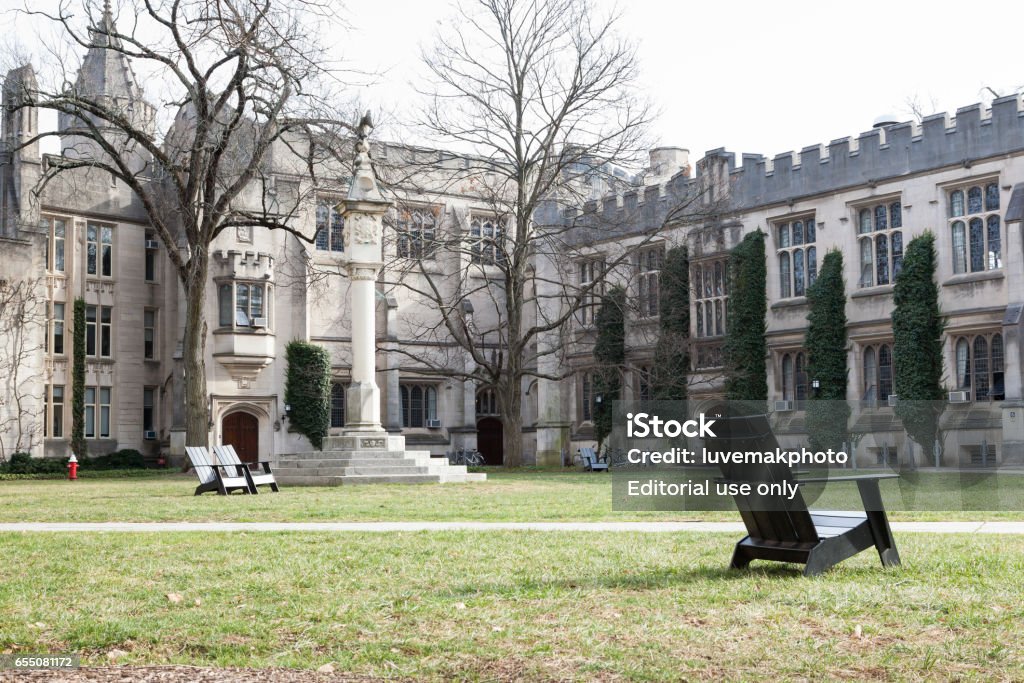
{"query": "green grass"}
(505, 497)
(516, 605)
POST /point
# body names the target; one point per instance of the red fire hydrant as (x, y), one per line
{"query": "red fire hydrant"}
(72, 467)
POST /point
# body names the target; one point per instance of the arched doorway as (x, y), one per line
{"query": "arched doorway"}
(488, 440)
(242, 431)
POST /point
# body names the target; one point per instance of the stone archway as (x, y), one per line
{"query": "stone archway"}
(242, 430)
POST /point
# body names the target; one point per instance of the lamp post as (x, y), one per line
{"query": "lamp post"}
(363, 210)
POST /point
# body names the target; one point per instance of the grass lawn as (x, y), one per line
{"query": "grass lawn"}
(515, 605)
(506, 497)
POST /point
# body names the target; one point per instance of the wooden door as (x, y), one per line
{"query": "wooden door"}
(488, 440)
(242, 431)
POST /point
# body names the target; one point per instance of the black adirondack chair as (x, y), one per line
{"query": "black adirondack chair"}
(786, 530)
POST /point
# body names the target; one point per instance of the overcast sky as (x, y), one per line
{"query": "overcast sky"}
(764, 77)
(759, 77)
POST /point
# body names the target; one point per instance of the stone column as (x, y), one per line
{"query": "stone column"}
(363, 209)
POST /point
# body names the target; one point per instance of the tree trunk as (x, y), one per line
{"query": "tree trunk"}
(510, 402)
(197, 430)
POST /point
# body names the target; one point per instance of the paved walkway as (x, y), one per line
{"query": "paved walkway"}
(379, 527)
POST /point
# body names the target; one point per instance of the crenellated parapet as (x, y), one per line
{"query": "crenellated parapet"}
(881, 154)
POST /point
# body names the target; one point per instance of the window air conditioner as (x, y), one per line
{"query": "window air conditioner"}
(783, 406)
(959, 396)
(152, 244)
(434, 424)
(259, 322)
(149, 435)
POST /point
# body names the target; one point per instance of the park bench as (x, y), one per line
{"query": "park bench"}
(226, 455)
(591, 461)
(215, 477)
(784, 529)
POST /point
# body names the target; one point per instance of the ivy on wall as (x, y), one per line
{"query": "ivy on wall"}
(610, 354)
(308, 390)
(672, 353)
(827, 411)
(745, 350)
(917, 327)
(79, 445)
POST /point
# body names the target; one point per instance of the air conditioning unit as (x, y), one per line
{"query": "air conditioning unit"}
(259, 322)
(783, 406)
(959, 396)
(152, 244)
(149, 435)
(434, 424)
(892, 399)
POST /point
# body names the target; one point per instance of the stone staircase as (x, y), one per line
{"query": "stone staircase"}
(368, 460)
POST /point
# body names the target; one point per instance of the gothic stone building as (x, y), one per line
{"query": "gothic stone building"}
(960, 177)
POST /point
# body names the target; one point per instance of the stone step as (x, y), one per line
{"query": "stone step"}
(347, 471)
(345, 462)
(337, 454)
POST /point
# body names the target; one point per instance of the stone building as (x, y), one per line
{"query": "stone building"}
(87, 236)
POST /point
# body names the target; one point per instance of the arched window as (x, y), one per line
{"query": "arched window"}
(867, 265)
(788, 379)
(974, 200)
(880, 222)
(798, 272)
(959, 247)
(870, 375)
(995, 259)
(895, 215)
(897, 254)
(976, 235)
(992, 197)
(798, 232)
(864, 221)
(587, 397)
(884, 371)
(801, 380)
(882, 259)
(784, 276)
(981, 376)
(718, 279)
(700, 319)
(330, 227)
(718, 317)
(963, 363)
(812, 265)
(337, 405)
(956, 204)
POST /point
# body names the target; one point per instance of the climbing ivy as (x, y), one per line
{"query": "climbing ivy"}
(308, 390)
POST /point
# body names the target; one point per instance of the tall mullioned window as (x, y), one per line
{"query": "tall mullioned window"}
(97, 412)
(56, 238)
(417, 230)
(245, 305)
(794, 378)
(330, 228)
(710, 291)
(486, 240)
(979, 366)
(99, 250)
(99, 339)
(590, 271)
(975, 228)
(419, 404)
(648, 266)
(877, 372)
(797, 256)
(880, 240)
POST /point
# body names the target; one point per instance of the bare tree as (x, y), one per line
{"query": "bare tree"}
(21, 315)
(541, 98)
(248, 83)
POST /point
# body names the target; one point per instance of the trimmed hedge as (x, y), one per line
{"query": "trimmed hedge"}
(827, 412)
(672, 353)
(308, 390)
(610, 354)
(745, 349)
(24, 464)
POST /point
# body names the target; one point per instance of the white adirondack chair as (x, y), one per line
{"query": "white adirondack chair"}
(591, 461)
(226, 455)
(212, 477)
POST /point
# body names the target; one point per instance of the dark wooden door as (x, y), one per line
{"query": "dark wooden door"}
(242, 431)
(488, 440)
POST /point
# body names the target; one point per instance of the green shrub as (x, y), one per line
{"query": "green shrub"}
(308, 390)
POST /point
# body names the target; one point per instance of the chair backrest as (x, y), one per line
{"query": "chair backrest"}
(200, 459)
(226, 455)
(770, 516)
(588, 456)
